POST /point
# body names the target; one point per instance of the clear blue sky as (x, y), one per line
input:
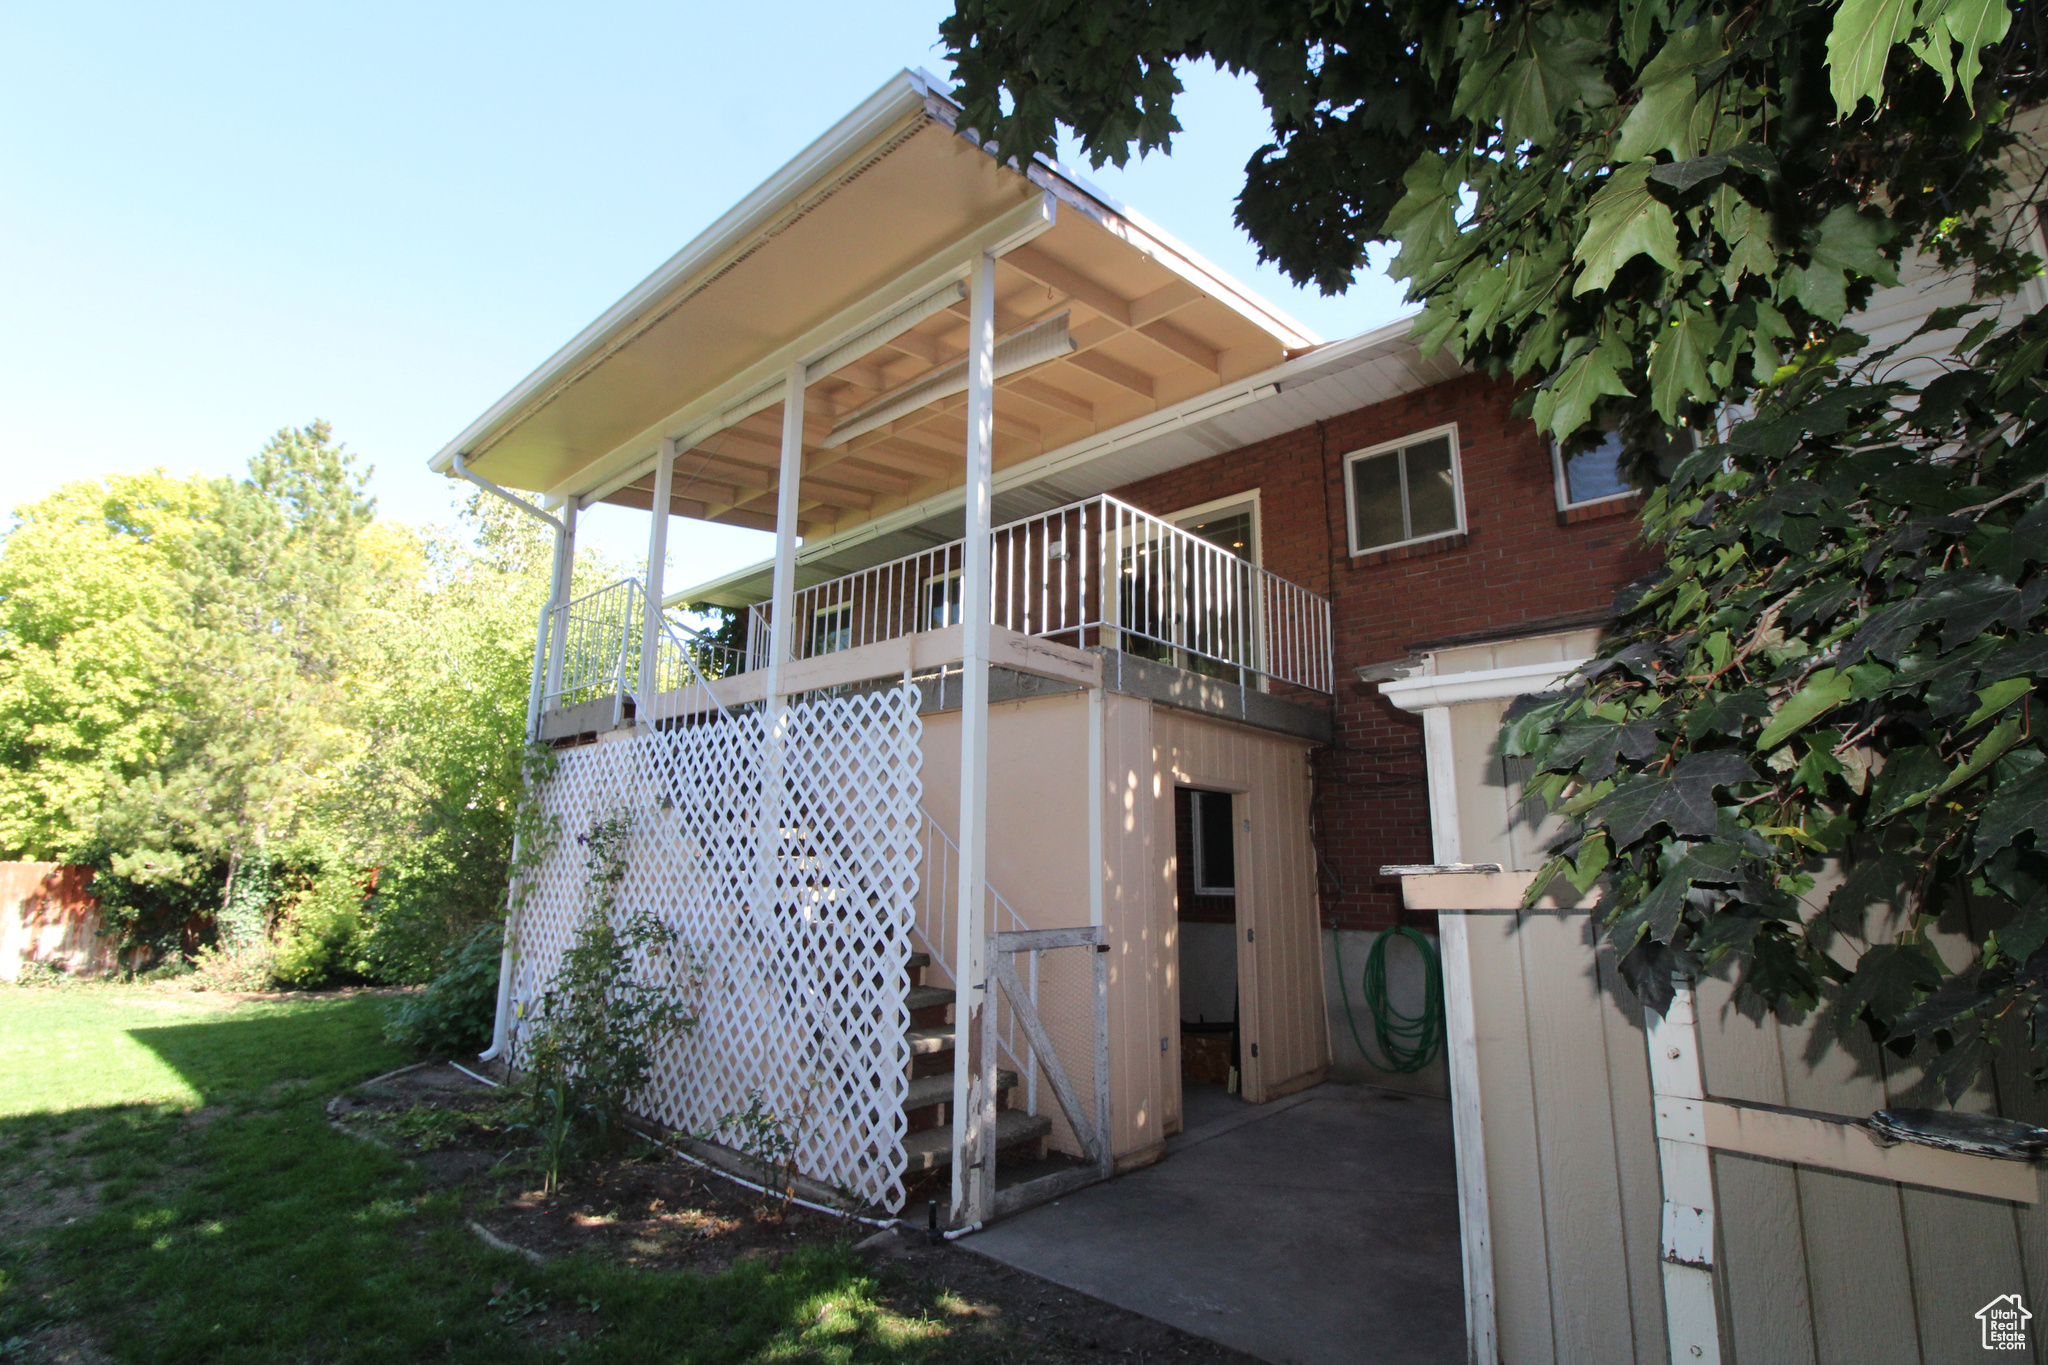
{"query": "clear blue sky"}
(218, 220)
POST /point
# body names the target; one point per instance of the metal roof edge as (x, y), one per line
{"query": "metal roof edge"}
(900, 95)
(1329, 358)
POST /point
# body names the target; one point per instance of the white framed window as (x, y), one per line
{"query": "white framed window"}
(1597, 474)
(1215, 844)
(1404, 492)
(832, 629)
(942, 600)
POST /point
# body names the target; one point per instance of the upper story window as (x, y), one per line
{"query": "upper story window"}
(1595, 474)
(1405, 491)
(1230, 524)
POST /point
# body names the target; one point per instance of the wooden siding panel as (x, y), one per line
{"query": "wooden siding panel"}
(1632, 1113)
(1591, 1313)
(1516, 1199)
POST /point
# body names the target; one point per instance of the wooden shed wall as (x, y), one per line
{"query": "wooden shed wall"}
(1811, 1266)
(49, 914)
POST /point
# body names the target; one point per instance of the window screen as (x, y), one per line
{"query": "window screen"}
(1215, 848)
(1591, 475)
(1409, 493)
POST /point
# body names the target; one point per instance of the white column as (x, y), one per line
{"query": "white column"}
(657, 567)
(1461, 1039)
(973, 1097)
(564, 584)
(1685, 1162)
(782, 600)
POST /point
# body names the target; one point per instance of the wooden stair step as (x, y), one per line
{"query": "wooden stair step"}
(925, 997)
(924, 1042)
(932, 1149)
(926, 1090)
(920, 960)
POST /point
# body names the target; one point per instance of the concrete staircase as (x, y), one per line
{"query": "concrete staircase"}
(928, 1142)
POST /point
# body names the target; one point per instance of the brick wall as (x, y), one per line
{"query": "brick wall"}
(1515, 564)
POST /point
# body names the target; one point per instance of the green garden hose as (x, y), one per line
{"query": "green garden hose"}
(1407, 1041)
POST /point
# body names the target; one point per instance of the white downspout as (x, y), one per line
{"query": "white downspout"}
(565, 541)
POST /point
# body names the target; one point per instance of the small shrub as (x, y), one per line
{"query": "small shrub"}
(35, 973)
(767, 1140)
(455, 1012)
(317, 936)
(619, 994)
(249, 967)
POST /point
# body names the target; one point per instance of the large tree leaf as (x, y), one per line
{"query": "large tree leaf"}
(1678, 362)
(1624, 221)
(1823, 692)
(1662, 117)
(1975, 25)
(2017, 807)
(1596, 743)
(1559, 70)
(1567, 404)
(1684, 800)
(1859, 46)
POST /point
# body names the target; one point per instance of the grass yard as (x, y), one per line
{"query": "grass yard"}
(173, 1192)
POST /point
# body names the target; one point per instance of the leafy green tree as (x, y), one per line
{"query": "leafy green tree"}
(1654, 214)
(86, 576)
(253, 660)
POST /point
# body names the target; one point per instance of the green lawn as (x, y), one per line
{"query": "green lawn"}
(170, 1191)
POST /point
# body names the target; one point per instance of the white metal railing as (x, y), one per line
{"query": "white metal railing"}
(590, 650)
(598, 637)
(1094, 572)
(935, 933)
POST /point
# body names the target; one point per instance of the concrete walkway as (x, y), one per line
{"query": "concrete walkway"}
(1317, 1230)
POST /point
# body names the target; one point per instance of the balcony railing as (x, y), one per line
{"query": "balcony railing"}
(1094, 572)
(593, 649)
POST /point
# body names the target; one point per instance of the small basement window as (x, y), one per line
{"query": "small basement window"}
(1215, 845)
(1595, 474)
(1404, 492)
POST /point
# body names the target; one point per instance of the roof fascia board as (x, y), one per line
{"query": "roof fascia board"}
(1331, 358)
(900, 96)
(761, 382)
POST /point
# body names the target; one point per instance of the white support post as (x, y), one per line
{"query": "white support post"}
(781, 632)
(1686, 1163)
(657, 568)
(782, 603)
(563, 587)
(973, 1048)
(1461, 1038)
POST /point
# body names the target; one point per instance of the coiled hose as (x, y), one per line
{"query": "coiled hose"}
(1407, 1041)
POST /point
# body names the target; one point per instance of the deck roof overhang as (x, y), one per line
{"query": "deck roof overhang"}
(1326, 382)
(852, 260)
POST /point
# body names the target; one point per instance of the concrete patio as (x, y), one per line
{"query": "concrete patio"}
(1321, 1229)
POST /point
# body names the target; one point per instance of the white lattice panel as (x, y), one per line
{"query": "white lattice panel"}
(802, 937)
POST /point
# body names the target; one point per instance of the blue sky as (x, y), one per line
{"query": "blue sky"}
(219, 220)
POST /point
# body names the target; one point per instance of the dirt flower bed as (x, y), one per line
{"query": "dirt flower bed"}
(649, 1208)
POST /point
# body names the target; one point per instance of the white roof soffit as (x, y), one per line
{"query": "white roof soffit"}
(1334, 379)
(1106, 320)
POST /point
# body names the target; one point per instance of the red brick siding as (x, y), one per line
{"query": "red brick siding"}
(1515, 563)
